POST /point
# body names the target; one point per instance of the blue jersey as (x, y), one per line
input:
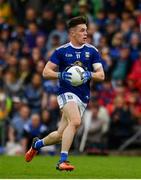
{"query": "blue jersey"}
(68, 55)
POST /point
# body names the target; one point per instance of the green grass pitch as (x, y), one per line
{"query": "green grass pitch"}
(87, 167)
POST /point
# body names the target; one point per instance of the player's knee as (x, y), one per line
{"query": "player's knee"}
(59, 135)
(76, 123)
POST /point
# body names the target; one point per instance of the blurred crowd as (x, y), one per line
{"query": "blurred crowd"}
(30, 30)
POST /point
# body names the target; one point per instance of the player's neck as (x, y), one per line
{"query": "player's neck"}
(76, 45)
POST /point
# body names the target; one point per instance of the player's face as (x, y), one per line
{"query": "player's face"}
(79, 34)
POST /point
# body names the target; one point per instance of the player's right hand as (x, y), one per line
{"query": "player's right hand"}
(65, 76)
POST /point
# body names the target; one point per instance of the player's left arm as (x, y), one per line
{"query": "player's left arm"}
(98, 74)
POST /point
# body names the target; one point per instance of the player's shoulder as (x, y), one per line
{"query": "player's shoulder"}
(63, 46)
(91, 47)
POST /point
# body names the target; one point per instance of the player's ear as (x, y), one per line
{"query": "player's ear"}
(72, 32)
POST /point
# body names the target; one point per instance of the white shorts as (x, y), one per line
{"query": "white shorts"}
(67, 97)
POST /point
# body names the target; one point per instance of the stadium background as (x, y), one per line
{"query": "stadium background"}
(30, 30)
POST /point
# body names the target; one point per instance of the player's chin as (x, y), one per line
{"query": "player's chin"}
(84, 40)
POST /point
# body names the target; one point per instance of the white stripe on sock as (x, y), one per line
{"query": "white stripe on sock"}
(65, 152)
(43, 142)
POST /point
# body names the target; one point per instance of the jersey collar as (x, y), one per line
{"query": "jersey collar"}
(76, 47)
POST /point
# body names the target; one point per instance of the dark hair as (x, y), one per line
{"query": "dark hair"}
(76, 21)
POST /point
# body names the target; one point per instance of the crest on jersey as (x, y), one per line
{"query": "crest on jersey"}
(87, 55)
(78, 63)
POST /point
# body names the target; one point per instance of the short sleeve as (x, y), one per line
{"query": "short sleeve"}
(96, 58)
(55, 57)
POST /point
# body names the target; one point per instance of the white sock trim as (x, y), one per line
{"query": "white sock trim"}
(35, 144)
(65, 152)
(43, 142)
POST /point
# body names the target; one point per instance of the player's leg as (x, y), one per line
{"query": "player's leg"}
(56, 136)
(71, 111)
(52, 138)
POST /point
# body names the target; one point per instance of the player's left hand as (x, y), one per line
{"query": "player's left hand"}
(86, 76)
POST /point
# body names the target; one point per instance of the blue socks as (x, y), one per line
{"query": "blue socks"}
(39, 144)
(64, 156)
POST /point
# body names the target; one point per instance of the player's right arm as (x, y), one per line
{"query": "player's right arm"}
(49, 71)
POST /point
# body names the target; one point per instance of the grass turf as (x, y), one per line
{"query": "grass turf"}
(86, 167)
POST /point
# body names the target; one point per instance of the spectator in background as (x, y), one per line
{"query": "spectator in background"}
(68, 11)
(135, 45)
(122, 64)
(113, 18)
(102, 114)
(121, 126)
(33, 93)
(126, 30)
(54, 43)
(17, 102)
(116, 45)
(107, 61)
(54, 111)
(19, 8)
(46, 118)
(51, 87)
(39, 67)
(5, 109)
(1, 75)
(40, 44)
(60, 31)
(96, 35)
(135, 74)
(94, 127)
(11, 62)
(94, 138)
(113, 4)
(110, 31)
(83, 10)
(2, 55)
(48, 20)
(129, 5)
(5, 34)
(17, 123)
(5, 104)
(15, 48)
(31, 34)
(96, 5)
(30, 16)
(13, 85)
(102, 43)
(106, 93)
(19, 33)
(32, 129)
(133, 100)
(25, 72)
(101, 20)
(36, 56)
(125, 15)
(15, 128)
(6, 15)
